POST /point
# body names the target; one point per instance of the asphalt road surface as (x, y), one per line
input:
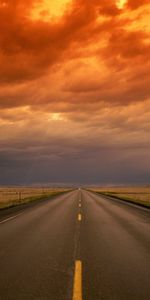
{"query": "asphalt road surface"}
(78, 246)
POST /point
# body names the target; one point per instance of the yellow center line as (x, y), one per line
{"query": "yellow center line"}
(79, 217)
(77, 288)
(79, 204)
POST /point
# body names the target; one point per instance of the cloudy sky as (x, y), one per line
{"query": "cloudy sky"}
(74, 91)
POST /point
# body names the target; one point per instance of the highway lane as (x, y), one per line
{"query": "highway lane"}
(37, 251)
(115, 250)
(78, 246)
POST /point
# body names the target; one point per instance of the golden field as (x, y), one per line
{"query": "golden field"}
(11, 196)
(139, 195)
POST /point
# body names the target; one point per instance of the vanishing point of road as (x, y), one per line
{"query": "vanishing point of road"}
(77, 246)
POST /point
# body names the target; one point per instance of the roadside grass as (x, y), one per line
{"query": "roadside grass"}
(10, 197)
(136, 195)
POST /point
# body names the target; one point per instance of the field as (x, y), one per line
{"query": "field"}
(12, 196)
(139, 195)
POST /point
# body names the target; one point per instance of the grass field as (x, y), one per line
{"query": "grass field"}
(138, 195)
(12, 196)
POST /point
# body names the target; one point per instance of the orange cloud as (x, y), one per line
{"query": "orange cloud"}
(76, 79)
(134, 4)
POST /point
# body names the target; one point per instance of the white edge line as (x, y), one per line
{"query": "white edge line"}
(11, 218)
(133, 204)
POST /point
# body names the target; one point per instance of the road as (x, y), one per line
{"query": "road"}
(78, 246)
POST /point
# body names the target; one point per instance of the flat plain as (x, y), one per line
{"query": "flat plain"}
(135, 194)
(12, 196)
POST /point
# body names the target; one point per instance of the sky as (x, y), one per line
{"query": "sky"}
(75, 91)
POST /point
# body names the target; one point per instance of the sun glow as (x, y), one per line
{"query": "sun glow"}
(121, 3)
(56, 117)
(48, 9)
